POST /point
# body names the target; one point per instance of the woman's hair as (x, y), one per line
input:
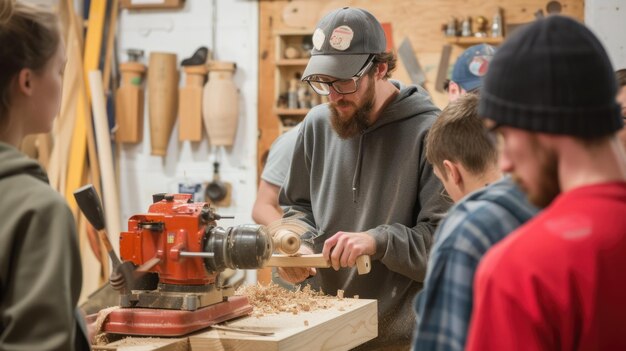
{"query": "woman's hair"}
(29, 37)
(620, 75)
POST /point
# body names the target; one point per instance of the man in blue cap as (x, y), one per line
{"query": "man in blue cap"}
(359, 176)
(469, 70)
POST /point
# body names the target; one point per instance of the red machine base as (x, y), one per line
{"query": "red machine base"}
(161, 322)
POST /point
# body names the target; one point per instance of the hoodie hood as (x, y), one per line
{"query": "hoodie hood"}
(411, 102)
(13, 162)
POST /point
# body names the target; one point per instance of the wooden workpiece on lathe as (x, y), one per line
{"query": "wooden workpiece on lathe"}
(286, 241)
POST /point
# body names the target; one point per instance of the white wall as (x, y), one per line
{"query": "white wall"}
(607, 18)
(182, 32)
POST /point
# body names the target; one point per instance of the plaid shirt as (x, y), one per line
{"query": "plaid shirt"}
(472, 226)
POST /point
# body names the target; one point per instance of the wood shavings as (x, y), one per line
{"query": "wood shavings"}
(273, 299)
(306, 323)
(340, 294)
(101, 337)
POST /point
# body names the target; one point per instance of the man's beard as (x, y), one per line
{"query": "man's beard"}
(350, 126)
(547, 186)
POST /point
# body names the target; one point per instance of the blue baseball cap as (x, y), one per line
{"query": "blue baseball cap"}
(472, 65)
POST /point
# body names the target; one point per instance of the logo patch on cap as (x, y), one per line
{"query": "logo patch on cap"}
(478, 66)
(341, 38)
(318, 39)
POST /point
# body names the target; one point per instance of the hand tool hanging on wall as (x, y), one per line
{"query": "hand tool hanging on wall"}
(190, 96)
(162, 99)
(442, 70)
(413, 68)
(129, 99)
(220, 105)
(199, 57)
(217, 191)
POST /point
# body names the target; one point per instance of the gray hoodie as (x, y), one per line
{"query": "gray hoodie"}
(378, 182)
(40, 267)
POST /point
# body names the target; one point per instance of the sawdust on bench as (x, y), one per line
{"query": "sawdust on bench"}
(273, 299)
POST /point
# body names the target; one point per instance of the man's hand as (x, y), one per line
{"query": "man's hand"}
(296, 275)
(343, 248)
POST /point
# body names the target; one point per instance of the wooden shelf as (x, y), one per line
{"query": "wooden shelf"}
(294, 31)
(468, 41)
(292, 62)
(291, 111)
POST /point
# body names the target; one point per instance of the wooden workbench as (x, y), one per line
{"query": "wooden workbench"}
(345, 324)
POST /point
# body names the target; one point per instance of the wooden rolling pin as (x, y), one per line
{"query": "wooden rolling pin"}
(363, 263)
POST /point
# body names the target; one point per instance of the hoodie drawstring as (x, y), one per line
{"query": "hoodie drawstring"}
(357, 173)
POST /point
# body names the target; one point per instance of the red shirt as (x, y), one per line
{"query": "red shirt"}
(558, 282)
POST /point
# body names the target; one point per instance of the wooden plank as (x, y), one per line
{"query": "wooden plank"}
(65, 122)
(108, 55)
(83, 124)
(345, 325)
(109, 184)
(145, 344)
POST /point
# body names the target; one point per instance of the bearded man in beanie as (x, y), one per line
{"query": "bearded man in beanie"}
(359, 175)
(558, 282)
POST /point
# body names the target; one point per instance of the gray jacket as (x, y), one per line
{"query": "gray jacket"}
(40, 267)
(379, 182)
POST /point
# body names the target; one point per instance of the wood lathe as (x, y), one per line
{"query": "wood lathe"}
(175, 252)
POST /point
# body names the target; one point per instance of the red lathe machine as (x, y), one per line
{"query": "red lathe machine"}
(179, 241)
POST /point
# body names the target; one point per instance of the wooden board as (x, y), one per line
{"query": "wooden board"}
(145, 344)
(345, 325)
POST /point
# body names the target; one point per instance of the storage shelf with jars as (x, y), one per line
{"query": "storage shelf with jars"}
(293, 98)
(475, 30)
(469, 41)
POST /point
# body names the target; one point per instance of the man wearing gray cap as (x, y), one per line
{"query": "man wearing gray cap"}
(359, 175)
(558, 282)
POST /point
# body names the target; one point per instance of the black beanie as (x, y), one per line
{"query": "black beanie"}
(552, 76)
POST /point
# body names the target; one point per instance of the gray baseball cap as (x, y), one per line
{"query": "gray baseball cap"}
(343, 41)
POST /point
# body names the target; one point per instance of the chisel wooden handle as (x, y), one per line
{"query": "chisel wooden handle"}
(363, 262)
(89, 203)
